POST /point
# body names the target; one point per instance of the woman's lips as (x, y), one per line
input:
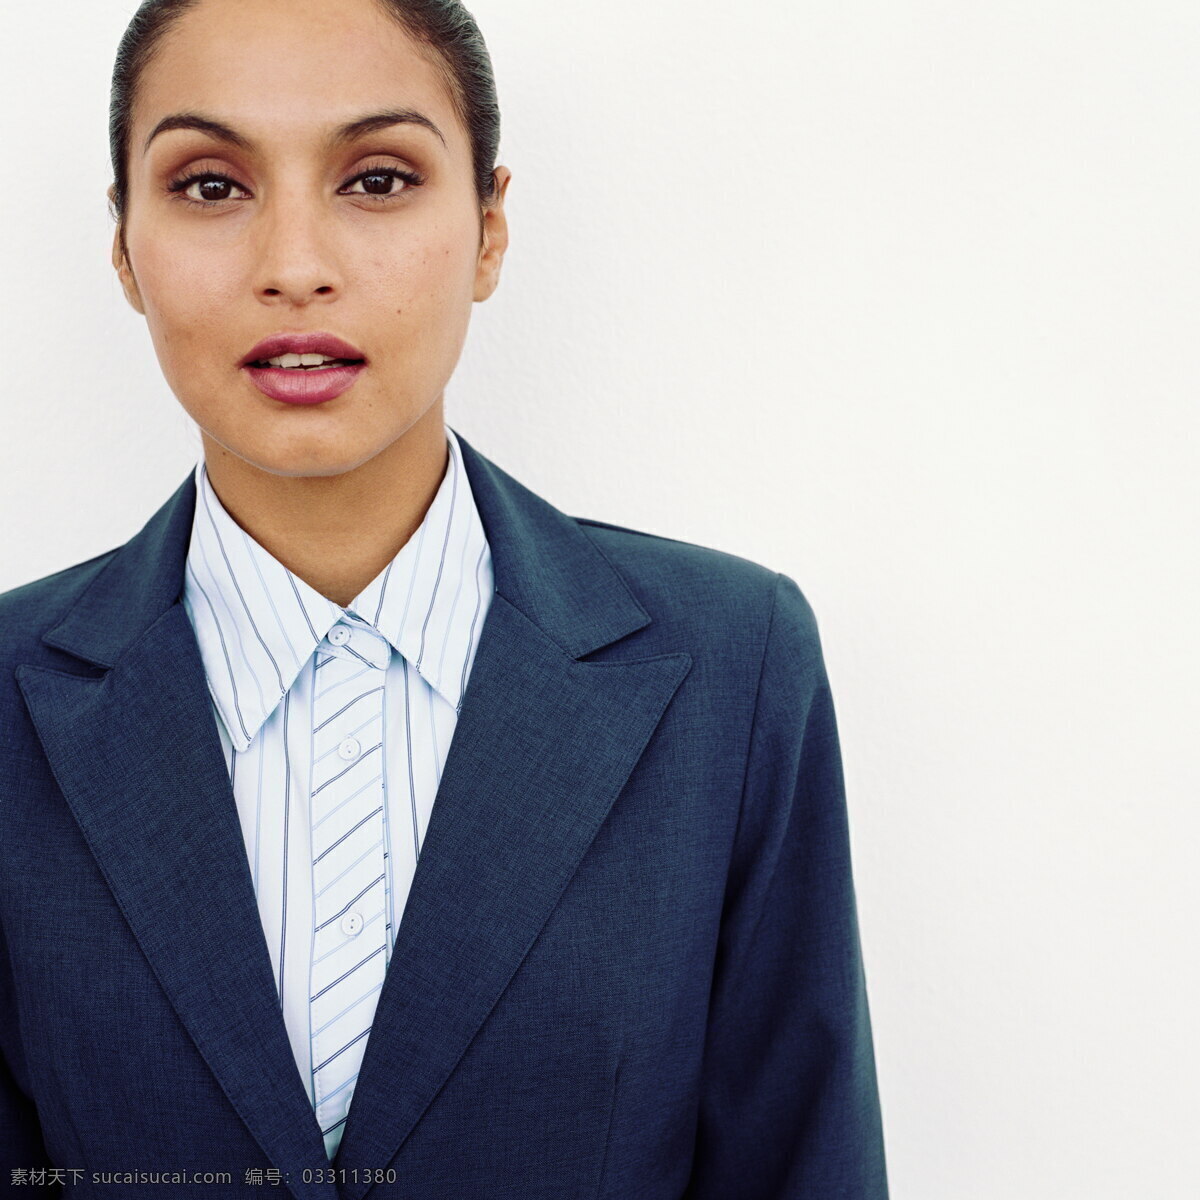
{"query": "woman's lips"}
(295, 385)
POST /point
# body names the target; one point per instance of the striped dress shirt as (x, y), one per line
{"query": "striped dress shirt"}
(335, 724)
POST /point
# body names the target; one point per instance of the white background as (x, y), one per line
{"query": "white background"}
(901, 299)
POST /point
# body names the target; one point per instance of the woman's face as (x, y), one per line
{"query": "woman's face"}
(292, 231)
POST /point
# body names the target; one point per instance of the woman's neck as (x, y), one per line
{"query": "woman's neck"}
(336, 532)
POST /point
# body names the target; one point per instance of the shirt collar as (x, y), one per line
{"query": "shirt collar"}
(257, 623)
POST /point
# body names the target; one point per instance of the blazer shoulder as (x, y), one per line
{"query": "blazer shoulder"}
(678, 580)
(648, 553)
(28, 610)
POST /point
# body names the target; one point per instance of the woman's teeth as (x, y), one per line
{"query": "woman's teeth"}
(305, 361)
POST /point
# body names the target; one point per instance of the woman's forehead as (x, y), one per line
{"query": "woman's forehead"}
(292, 68)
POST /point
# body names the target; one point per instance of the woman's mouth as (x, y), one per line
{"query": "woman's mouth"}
(304, 378)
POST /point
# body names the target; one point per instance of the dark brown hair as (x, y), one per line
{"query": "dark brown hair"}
(444, 26)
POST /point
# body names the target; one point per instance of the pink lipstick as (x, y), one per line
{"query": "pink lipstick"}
(304, 383)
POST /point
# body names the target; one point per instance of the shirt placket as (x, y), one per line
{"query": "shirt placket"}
(349, 867)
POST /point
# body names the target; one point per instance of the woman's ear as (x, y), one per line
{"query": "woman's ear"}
(495, 239)
(124, 271)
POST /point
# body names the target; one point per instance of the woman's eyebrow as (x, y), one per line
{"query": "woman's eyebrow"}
(359, 127)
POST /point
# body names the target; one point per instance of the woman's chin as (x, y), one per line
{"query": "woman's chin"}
(294, 456)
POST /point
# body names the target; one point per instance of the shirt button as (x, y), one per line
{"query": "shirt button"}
(339, 635)
(352, 922)
(349, 748)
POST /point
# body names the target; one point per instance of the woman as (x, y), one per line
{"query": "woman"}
(627, 963)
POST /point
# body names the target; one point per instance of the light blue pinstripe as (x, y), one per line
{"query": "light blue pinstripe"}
(348, 821)
(325, 835)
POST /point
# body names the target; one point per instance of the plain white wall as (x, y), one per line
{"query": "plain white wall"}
(899, 298)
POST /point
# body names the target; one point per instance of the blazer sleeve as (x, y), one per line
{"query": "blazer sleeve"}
(789, 1106)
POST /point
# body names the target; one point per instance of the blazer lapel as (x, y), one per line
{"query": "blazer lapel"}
(544, 744)
(137, 756)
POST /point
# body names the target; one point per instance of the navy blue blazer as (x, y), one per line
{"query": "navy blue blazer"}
(629, 963)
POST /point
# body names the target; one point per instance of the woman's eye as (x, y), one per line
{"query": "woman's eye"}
(379, 180)
(209, 188)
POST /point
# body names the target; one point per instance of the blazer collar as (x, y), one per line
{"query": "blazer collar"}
(543, 563)
(136, 753)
